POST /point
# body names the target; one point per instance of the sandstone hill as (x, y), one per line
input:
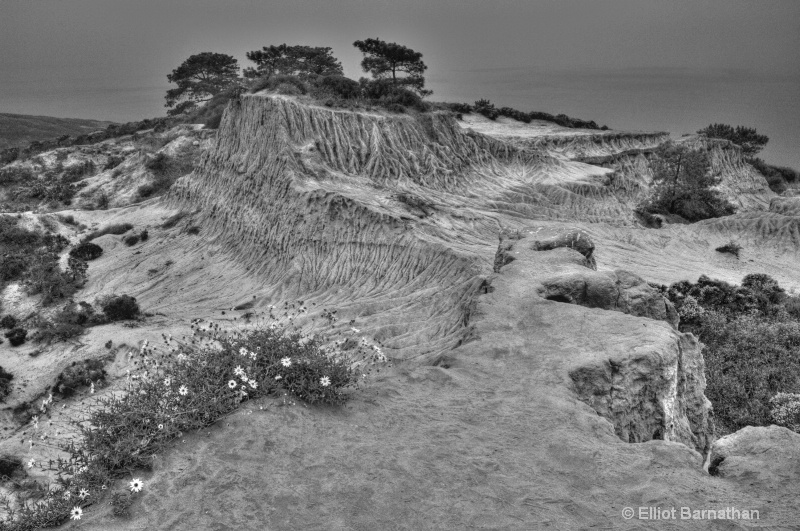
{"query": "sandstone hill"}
(538, 380)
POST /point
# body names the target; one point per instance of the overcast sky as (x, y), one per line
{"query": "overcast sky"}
(62, 57)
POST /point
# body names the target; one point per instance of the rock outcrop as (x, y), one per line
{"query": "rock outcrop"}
(571, 239)
(618, 290)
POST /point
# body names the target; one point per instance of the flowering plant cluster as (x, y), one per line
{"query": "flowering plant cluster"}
(184, 385)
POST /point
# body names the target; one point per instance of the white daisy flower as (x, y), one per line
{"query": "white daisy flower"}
(252, 355)
(160, 426)
(278, 377)
(183, 390)
(136, 485)
(243, 351)
(31, 462)
(76, 513)
(238, 371)
(253, 384)
(167, 381)
(286, 362)
(232, 384)
(83, 494)
(325, 381)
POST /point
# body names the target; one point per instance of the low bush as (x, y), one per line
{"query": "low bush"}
(8, 321)
(174, 220)
(785, 410)
(5, 383)
(86, 251)
(157, 162)
(119, 307)
(131, 240)
(731, 248)
(87, 373)
(144, 235)
(113, 161)
(272, 83)
(16, 336)
(778, 178)
(486, 108)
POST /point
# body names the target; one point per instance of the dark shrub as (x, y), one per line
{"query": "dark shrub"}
(119, 307)
(461, 108)
(113, 161)
(8, 321)
(173, 220)
(144, 235)
(79, 374)
(17, 336)
(157, 163)
(5, 382)
(339, 86)
(193, 230)
(86, 251)
(731, 248)
(486, 108)
(9, 464)
(131, 239)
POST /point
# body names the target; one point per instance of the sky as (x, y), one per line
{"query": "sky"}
(672, 65)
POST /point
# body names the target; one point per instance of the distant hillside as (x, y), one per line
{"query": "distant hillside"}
(21, 129)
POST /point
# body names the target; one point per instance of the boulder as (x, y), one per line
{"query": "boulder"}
(760, 455)
(618, 290)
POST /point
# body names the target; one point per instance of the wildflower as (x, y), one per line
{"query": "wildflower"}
(66, 495)
(273, 326)
(83, 494)
(181, 357)
(31, 462)
(76, 513)
(83, 469)
(278, 377)
(286, 362)
(104, 487)
(325, 381)
(252, 355)
(253, 384)
(243, 351)
(136, 485)
(183, 390)
(232, 384)
(238, 371)
(167, 381)
(355, 330)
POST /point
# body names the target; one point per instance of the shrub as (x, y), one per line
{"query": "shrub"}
(80, 374)
(486, 108)
(5, 383)
(44, 276)
(131, 239)
(338, 86)
(17, 336)
(731, 247)
(113, 161)
(102, 201)
(9, 465)
(8, 321)
(778, 178)
(785, 410)
(86, 251)
(119, 307)
(157, 163)
(144, 235)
